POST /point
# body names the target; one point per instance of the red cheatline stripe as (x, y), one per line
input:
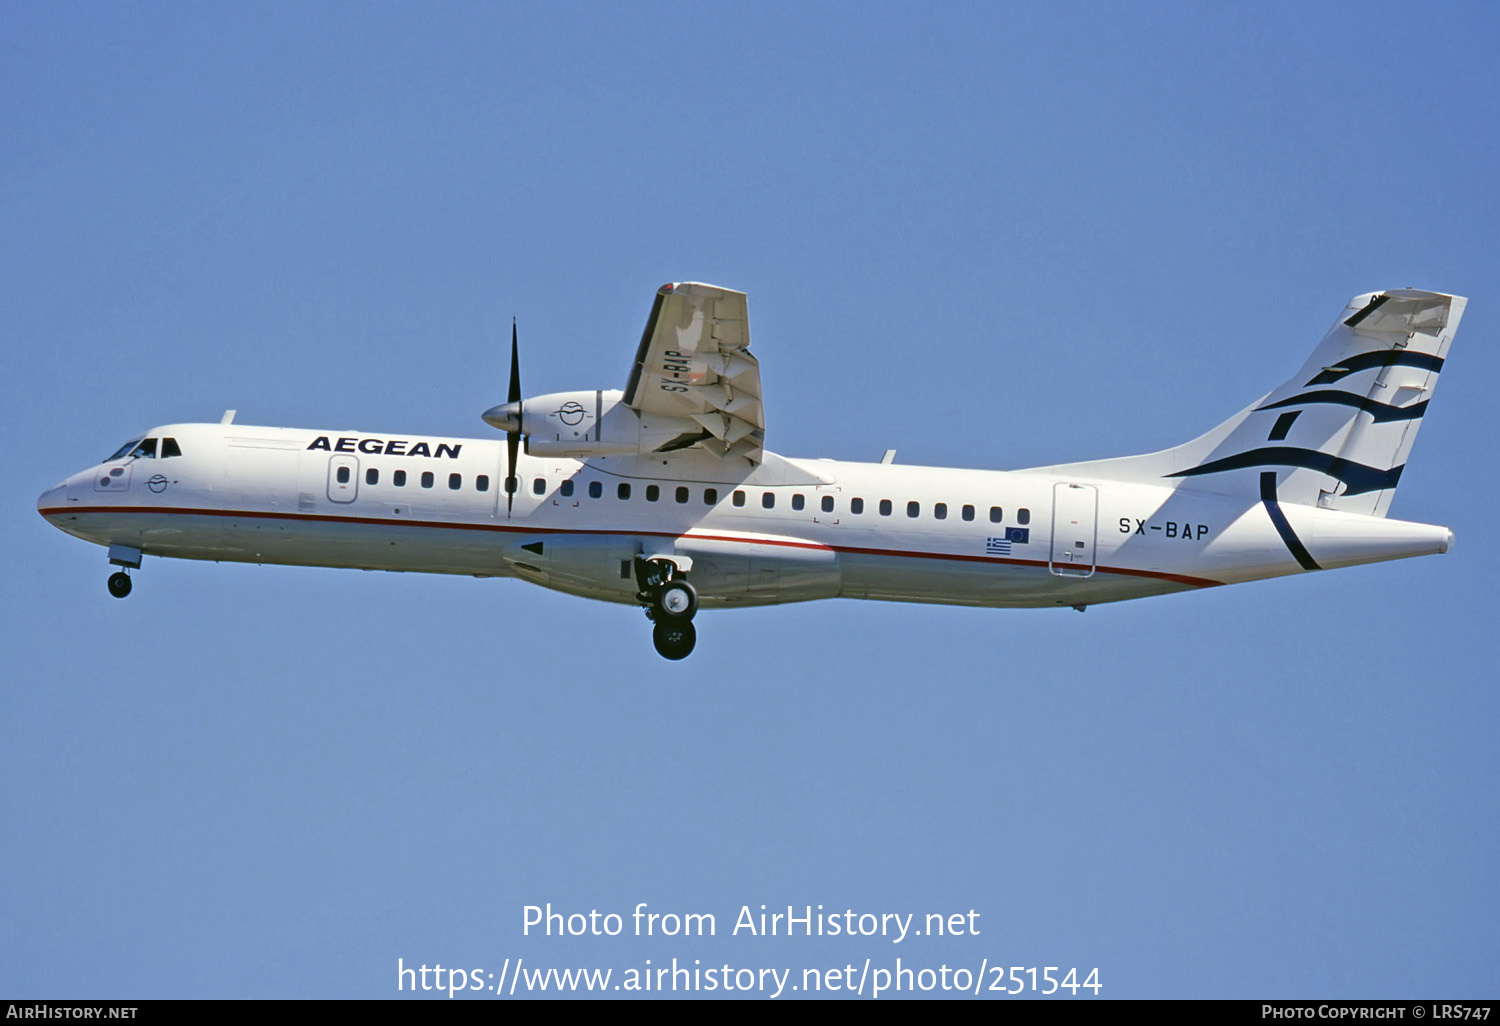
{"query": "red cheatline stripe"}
(1194, 582)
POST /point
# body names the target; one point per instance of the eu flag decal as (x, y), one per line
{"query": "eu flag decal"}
(1019, 535)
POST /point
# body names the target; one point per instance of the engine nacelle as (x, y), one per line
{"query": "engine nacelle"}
(593, 423)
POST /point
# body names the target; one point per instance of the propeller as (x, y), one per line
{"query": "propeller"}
(513, 436)
(508, 419)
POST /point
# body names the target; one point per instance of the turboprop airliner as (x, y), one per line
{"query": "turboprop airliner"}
(664, 496)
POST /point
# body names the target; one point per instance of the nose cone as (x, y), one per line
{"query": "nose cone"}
(506, 417)
(51, 501)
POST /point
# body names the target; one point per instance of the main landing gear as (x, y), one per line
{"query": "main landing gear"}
(119, 584)
(671, 603)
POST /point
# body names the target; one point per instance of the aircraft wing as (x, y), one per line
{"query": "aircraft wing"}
(694, 362)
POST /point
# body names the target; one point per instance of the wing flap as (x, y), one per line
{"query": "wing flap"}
(694, 362)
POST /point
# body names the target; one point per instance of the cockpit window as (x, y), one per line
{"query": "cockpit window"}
(124, 450)
(169, 448)
(146, 450)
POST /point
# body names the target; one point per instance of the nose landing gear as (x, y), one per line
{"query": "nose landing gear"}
(671, 603)
(129, 558)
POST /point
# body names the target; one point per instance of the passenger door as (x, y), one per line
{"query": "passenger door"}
(343, 478)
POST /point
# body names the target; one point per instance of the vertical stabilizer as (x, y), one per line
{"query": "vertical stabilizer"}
(1338, 433)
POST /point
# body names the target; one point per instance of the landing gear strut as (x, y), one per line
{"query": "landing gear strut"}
(671, 602)
(119, 584)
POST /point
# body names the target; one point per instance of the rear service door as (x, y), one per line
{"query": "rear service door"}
(1074, 529)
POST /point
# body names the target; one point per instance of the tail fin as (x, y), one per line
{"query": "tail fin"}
(1338, 433)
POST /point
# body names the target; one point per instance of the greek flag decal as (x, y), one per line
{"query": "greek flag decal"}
(1001, 546)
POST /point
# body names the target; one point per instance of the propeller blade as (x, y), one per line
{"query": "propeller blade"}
(514, 395)
(512, 443)
(512, 438)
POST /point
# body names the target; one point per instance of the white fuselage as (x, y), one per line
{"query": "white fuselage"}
(782, 531)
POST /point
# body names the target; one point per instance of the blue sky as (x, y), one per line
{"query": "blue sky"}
(983, 235)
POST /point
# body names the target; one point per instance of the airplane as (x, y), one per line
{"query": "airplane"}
(664, 496)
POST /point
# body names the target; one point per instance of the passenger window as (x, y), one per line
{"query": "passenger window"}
(768, 500)
(652, 493)
(885, 507)
(710, 496)
(455, 482)
(682, 493)
(995, 515)
(596, 489)
(828, 504)
(567, 487)
(343, 475)
(1023, 516)
(797, 501)
(399, 479)
(372, 476)
(940, 511)
(968, 512)
(538, 486)
(913, 509)
(426, 479)
(169, 448)
(623, 490)
(739, 497)
(482, 483)
(856, 505)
